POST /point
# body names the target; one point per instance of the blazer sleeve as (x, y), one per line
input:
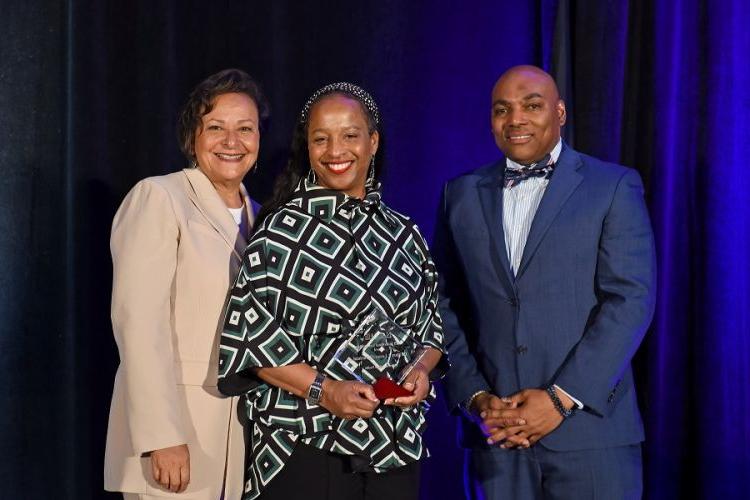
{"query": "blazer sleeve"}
(464, 378)
(144, 241)
(626, 284)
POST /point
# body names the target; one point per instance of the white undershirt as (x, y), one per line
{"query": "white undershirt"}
(237, 214)
(240, 217)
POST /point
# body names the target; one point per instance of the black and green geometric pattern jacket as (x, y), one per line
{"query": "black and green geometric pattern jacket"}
(310, 272)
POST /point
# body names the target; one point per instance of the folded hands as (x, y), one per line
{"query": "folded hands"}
(519, 420)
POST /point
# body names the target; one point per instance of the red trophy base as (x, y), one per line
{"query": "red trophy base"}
(386, 388)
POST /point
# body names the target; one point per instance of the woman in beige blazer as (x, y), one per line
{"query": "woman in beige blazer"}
(176, 243)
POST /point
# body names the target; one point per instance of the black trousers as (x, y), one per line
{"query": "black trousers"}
(313, 474)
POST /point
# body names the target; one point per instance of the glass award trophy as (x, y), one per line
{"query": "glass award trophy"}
(377, 351)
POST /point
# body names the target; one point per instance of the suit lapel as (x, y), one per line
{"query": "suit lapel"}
(251, 210)
(564, 181)
(205, 198)
(490, 190)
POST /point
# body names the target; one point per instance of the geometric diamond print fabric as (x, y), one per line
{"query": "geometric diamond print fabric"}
(312, 270)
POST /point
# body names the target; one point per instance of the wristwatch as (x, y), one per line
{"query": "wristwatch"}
(315, 392)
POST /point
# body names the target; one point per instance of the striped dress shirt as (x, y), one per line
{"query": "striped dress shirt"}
(520, 203)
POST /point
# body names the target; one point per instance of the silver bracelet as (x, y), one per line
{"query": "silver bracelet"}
(470, 401)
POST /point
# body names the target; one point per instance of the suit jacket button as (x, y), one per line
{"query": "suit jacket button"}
(521, 349)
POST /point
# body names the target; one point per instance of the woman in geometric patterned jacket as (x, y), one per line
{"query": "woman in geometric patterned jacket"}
(327, 253)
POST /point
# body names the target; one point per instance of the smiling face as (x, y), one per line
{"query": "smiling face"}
(527, 114)
(227, 141)
(340, 145)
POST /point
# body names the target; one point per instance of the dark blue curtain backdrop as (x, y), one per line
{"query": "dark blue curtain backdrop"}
(699, 353)
(90, 90)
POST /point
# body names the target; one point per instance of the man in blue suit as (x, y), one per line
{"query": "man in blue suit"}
(547, 278)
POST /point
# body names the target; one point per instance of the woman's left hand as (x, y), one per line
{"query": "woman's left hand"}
(418, 382)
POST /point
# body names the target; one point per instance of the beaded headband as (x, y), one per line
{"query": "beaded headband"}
(348, 88)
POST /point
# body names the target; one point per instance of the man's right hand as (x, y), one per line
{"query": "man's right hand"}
(348, 399)
(486, 410)
(171, 467)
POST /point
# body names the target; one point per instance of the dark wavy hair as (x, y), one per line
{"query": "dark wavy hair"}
(298, 165)
(201, 100)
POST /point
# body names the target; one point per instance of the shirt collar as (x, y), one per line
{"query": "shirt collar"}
(324, 203)
(555, 154)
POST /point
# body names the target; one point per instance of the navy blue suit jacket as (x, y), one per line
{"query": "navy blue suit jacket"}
(575, 313)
